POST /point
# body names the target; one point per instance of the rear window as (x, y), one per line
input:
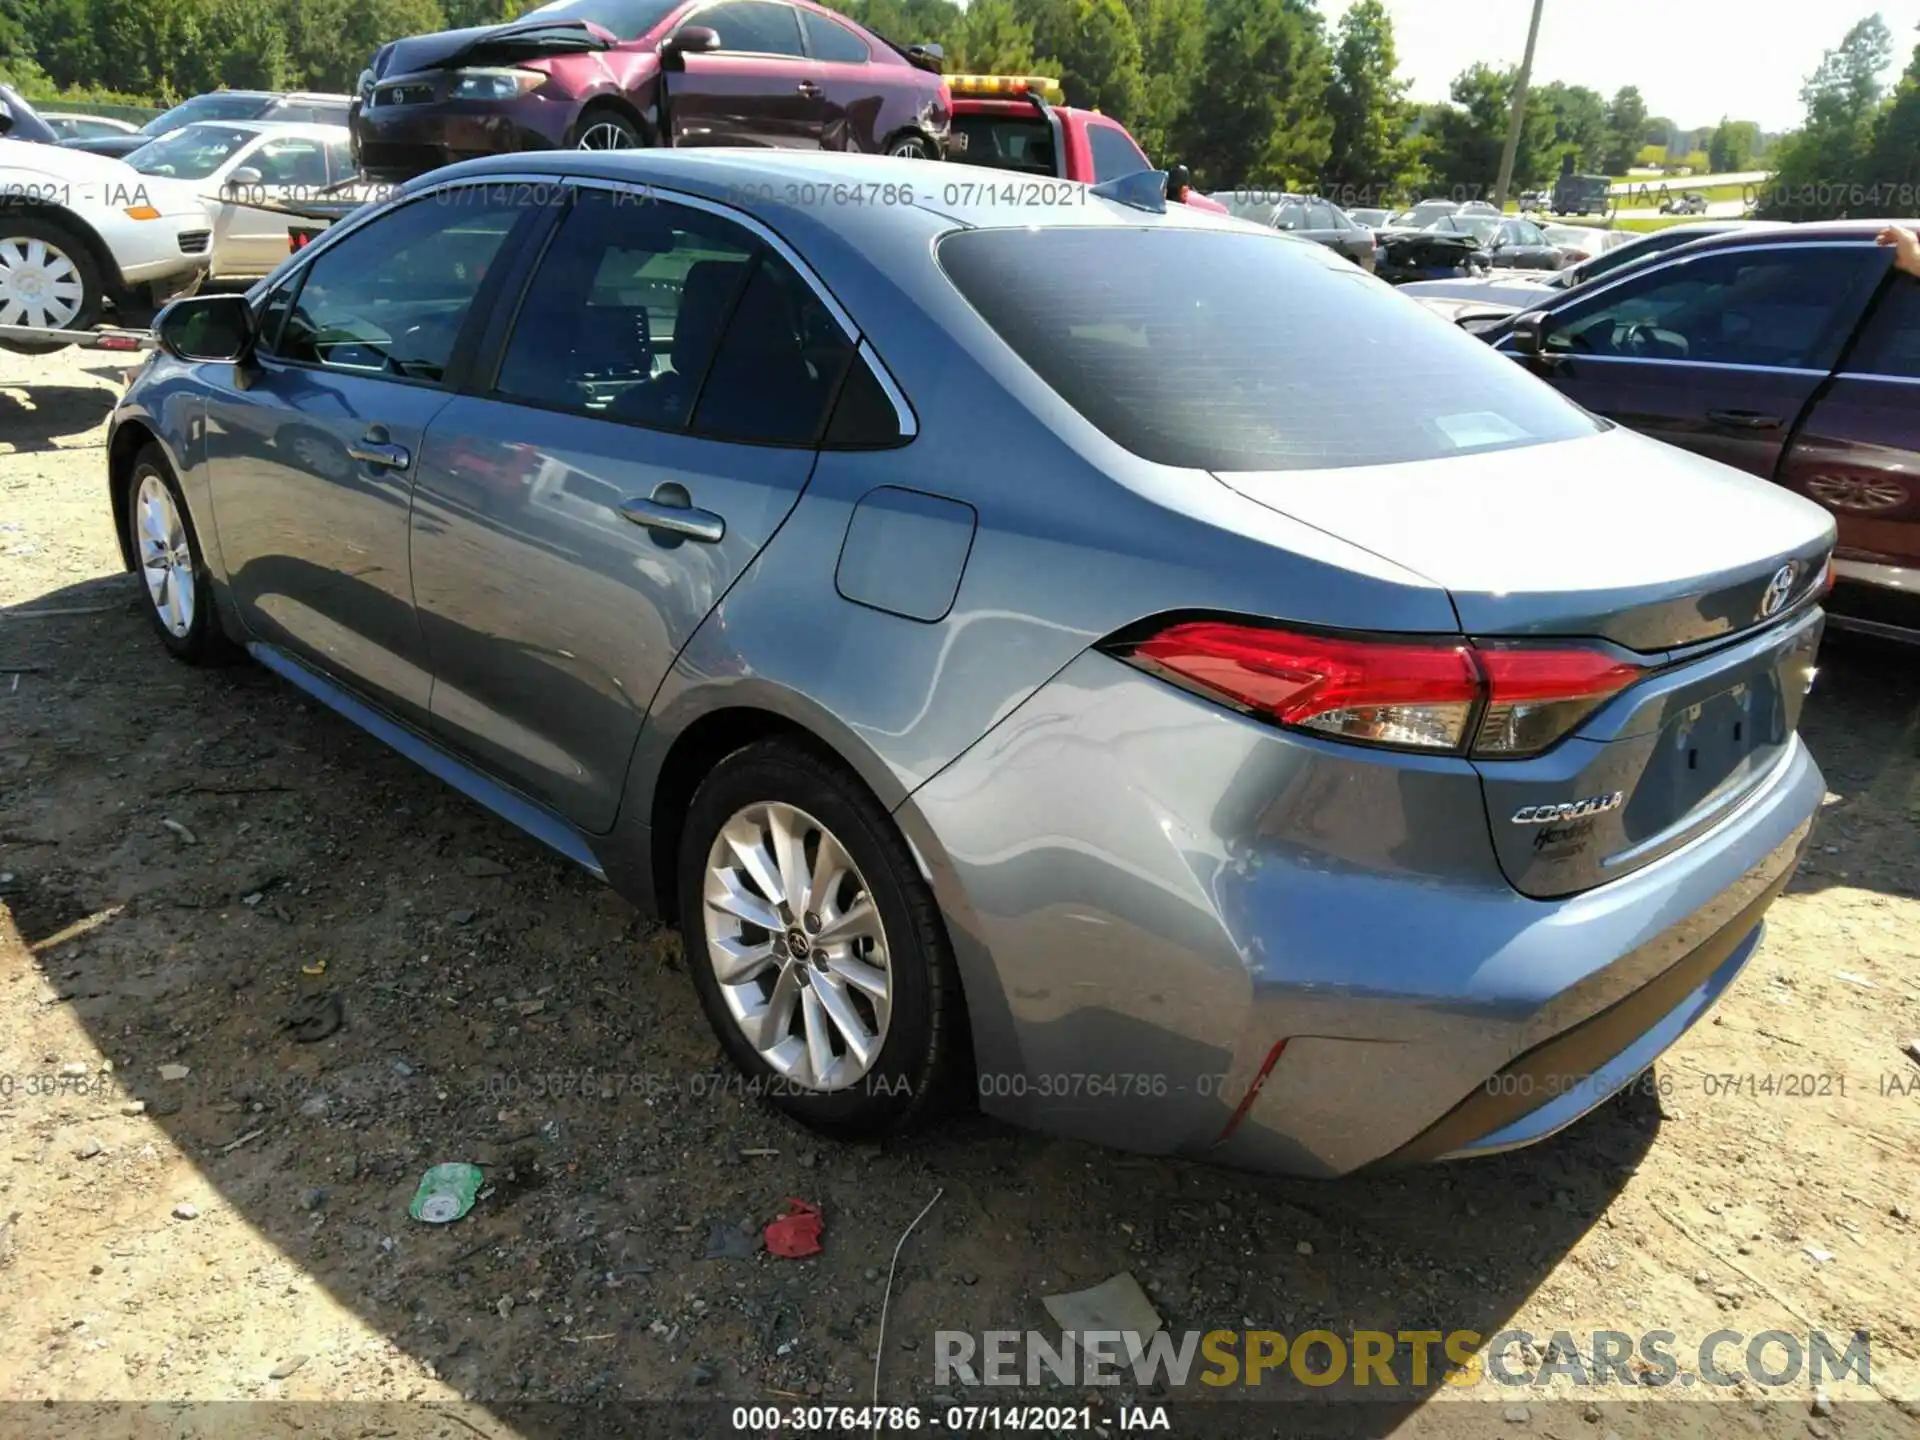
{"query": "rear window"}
(1005, 142)
(1226, 351)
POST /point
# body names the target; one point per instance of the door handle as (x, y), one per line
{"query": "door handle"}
(376, 449)
(807, 87)
(1744, 419)
(670, 511)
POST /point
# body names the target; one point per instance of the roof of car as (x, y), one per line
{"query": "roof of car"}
(298, 129)
(799, 181)
(1863, 232)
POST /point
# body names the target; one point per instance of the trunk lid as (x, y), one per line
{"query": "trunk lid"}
(488, 45)
(1614, 536)
(1701, 574)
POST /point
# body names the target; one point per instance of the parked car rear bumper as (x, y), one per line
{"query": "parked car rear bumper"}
(1254, 887)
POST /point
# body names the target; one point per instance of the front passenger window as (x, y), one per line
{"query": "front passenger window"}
(1784, 308)
(391, 298)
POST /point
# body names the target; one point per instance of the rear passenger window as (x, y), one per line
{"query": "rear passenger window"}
(667, 317)
(1784, 308)
(626, 310)
(780, 366)
(1891, 344)
(832, 42)
(391, 298)
(1114, 154)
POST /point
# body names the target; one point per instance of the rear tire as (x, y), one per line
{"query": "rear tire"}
(48, 278)
(843, 1008)
(172, 566)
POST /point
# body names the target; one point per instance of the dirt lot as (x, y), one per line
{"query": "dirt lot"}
(186, 857)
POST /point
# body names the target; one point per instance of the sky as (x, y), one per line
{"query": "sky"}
(1694, 60)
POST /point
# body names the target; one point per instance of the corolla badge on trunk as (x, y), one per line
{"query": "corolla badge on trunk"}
(1571, 810)
(1778, 588)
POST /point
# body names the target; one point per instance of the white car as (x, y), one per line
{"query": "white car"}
(80, 232)
(88, 127)
(240, 165)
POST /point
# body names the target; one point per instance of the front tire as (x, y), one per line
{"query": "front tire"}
(606, 130)
(816, 947)
(173, 568)
(48, 279)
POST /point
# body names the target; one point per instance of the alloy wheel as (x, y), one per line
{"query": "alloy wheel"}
(606, 136)
(798, 946)
(39, 283)
(166, 559)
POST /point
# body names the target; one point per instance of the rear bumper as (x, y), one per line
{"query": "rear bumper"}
(1148, 896)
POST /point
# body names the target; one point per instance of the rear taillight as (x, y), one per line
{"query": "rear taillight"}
(1536, 696)
(1409, 693)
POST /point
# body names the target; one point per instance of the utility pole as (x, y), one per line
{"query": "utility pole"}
(1519, 117)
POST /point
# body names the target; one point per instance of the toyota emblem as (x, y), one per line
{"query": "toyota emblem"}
(1778, 588)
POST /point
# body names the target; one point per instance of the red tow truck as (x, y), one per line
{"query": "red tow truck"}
(1009, 122)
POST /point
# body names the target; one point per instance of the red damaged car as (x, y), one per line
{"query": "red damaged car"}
(613, 74)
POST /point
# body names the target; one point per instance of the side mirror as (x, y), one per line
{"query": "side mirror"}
(688, 40)
(6, 117)
(1529, 333)
(245, 176)
(1179, 182)
(206, 327)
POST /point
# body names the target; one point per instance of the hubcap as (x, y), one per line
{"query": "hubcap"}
(908, 149)
(797, 946)
(39, 285)
(166, 560)
(605, 136)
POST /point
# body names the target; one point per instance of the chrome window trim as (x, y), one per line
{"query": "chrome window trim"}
(758, 228)
(909, 422)
(1876, 375)
(863, 348)
(1696, 364)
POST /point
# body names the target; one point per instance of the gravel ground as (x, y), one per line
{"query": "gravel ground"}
(211, 1204)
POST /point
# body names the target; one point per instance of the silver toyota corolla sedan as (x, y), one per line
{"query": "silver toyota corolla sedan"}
(1038, 644)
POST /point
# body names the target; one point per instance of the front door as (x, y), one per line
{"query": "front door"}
(1717, 353)
(577, 519)
(1858, 453)
(313, 446)
(758, 89)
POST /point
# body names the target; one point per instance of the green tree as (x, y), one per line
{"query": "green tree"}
(992, 40)
(1469, 134)
(1096, 51)
(1626, 129)
(1371, 154)
(1579, 129)
(1262, 120)
(1732, 146)
(1893, 165)
(1817, 168)
(1173, 35)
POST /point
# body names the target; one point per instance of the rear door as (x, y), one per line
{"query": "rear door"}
(1718, 352)
(553, 595)
(1858, 453)
(759, 89)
